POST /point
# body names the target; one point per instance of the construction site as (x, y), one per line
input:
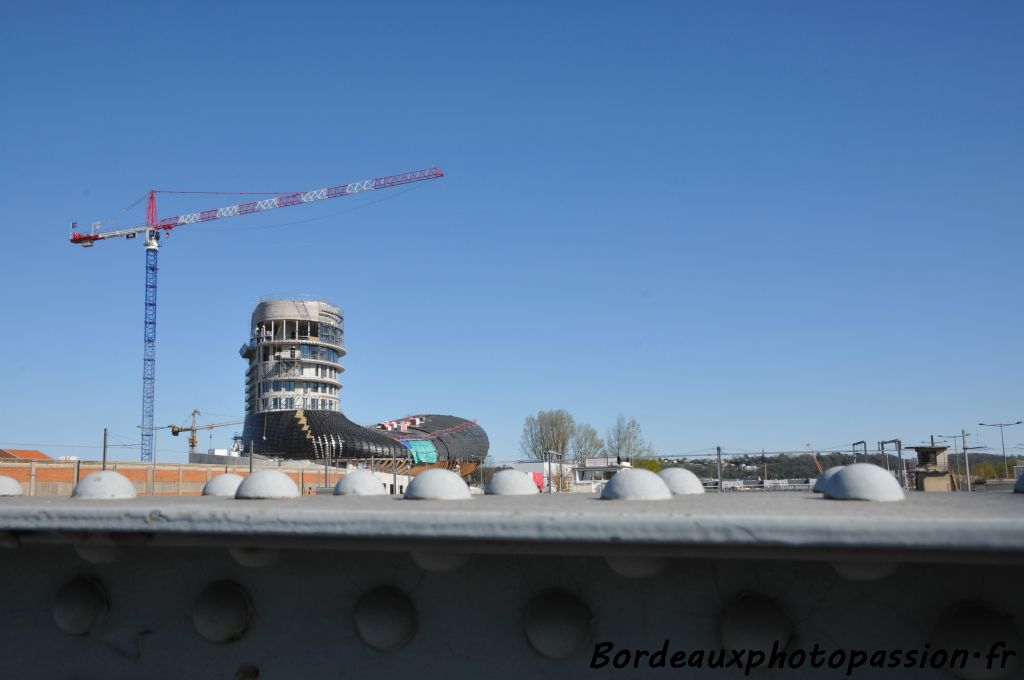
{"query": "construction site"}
(294, 419)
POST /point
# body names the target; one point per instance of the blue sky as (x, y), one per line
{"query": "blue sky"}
(745, 224)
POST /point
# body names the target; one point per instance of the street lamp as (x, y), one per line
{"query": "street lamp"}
(1006, 467)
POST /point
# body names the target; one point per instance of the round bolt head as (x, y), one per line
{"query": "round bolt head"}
(105, 484)
(255, 558)
(681, 482)
(511, 483)
(635, 485)
(863, 482)
(267, 484)
(824, 477)
(557, 623)
(225, 485)
(222, 612)
(438, 485)
(359, 483)
(385, 618)
(10, 486)
(977, 628)
(754, 622)
(99, 553)
(864, 571)
(80, 605)
(439, 561)
(635, 566)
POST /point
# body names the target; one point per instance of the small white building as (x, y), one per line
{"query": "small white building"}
(547, 475)
(571, 477)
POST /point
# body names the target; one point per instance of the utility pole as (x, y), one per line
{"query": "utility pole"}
(251, 453)
(854, 447)
(104, 448)
(901, 465)
(561, 457)
(718, 452)
(955, 455)
(956, 452)
(547, 455)
(967, 462)
(1006, 465)
(394, 474)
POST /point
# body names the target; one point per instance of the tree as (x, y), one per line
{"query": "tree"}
(547, 431)
(585, 443)
(652, 464)
(984, 470)
(625, 440)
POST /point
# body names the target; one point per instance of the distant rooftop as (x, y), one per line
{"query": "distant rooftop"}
(24, 454)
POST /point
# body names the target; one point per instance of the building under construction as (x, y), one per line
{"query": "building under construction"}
(292, 399)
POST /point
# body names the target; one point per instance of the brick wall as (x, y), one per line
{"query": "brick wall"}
(58, 478)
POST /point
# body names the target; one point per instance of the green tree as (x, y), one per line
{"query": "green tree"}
(647, 464)
(984, 470)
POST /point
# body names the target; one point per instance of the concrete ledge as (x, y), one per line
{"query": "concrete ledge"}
(948, 528)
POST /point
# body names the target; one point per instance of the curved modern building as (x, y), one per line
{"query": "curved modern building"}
(292, 404)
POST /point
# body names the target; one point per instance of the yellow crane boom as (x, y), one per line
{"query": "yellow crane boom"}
(193, 440)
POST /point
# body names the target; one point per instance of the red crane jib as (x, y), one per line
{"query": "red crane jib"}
(283, 201)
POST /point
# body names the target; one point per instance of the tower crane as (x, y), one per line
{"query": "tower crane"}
(193, 440)
(155, 226)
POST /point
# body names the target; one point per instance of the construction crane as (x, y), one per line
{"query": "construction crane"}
(155, 226)
(193, 440)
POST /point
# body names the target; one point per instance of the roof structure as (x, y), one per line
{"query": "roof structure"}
(24, 454)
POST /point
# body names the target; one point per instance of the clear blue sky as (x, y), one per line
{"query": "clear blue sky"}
(743, 223)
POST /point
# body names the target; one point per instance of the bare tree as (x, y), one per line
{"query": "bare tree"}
(625, 440)
(547, 431)
(585, 443)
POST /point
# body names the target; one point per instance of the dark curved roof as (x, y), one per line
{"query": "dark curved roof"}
(300, 434)
(455, 438)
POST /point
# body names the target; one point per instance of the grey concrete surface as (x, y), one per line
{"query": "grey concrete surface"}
(948, 527)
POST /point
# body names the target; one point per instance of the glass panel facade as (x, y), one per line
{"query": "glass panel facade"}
(331, 334)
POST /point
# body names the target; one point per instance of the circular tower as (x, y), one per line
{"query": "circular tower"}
(294, 351)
